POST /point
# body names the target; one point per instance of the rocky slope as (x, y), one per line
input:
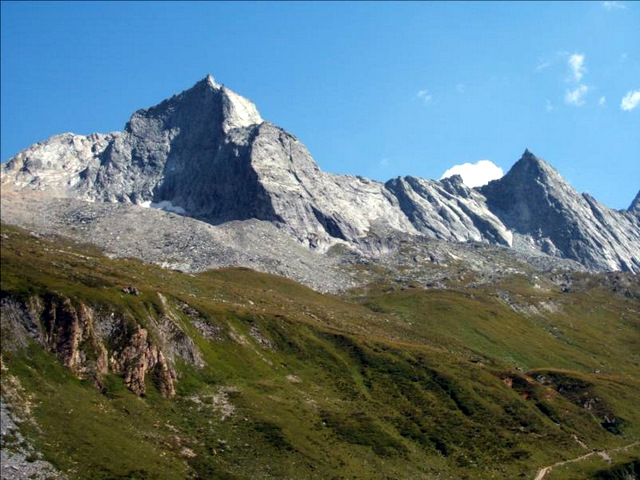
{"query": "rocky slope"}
(207, 154)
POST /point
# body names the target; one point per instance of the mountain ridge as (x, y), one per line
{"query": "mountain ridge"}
(208, 154)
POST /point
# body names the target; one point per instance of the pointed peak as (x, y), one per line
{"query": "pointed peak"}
(529, 156)
(238, 111)
(533, 164)
(529, 170)
(635, 205)
(206, 101)
(207, 82)
(210, 82)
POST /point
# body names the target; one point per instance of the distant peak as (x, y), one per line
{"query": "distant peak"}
(528, 170)
(635, 205)
(208, 81)
(453, 180)
(533, 163)
(238, 110)
(211, 81)
(529, 156)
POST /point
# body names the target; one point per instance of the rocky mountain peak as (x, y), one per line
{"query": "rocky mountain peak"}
(519, 193)
(207, 107)
(238, 111)
(206, 153)
(533, 168)
(533, 200)
(634, 208)
(212, 81)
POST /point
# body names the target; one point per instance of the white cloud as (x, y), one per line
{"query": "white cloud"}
(602, 102)
(576, 96)
(425, 96)
(630, 101)
(613, 5)
(475, 175)
(576, 63)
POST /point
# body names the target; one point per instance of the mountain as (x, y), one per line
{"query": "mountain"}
(532, 199)
(449, 332)
(207, 154)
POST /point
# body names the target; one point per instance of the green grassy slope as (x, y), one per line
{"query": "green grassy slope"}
(380, 383)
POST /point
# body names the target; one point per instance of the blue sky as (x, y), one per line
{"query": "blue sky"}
(375, 89)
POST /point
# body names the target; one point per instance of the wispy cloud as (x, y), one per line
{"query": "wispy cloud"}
(425, 96)
(542, 64)
(550, 107)
(576, 96)
(624, 56)
(550, 60)
(613, 5)
(475, 174)
(630, 101)
(576, 63)
(460, 88)
(602, 102)
(384, 162)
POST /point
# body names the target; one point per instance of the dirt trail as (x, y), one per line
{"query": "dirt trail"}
(604, 455)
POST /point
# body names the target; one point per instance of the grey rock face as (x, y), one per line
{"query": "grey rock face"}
(634, 208)
(448, 210)
(316, 207)
(206, 153)
(532, 199)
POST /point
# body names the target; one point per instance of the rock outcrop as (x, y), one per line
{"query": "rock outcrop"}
(207, 154)
(92, 343)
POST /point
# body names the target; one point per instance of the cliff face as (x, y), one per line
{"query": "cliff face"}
(94, 342)
(448, 210)
(207, 153)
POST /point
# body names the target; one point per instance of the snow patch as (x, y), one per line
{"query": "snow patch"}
(167, 206)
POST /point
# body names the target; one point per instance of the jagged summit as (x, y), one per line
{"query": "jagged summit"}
(531, 167)
(533, 200)
(238, 111)
(635, 205)
(207, 153)
(206, 103)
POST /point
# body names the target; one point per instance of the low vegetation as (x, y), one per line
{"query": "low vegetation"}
(488, 382)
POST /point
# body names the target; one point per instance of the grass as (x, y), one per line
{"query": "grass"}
(375, 384)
